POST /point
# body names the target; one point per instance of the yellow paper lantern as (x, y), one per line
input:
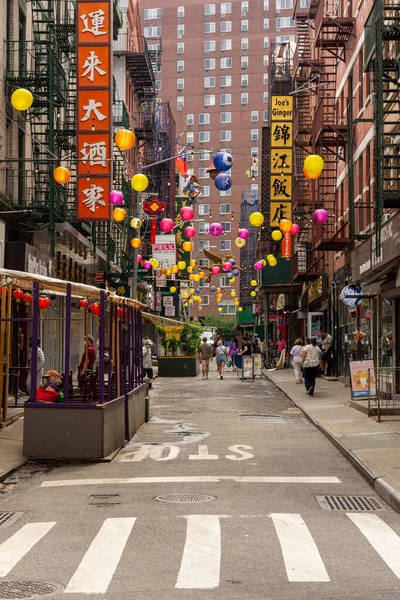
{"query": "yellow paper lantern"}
(220, 309)
(256, 219)
(200, 300)
(218, 290)
(272, 262)
(196, 277)
(154, 263)
(232, 280)
(185, 295)
(240, 243)
(270, 256)
(136, 242)
(187, 246)
(119, 214)
(22, 99)
(314, 164)
(236, 301)
(193, 263)
(172, 289)
(199, 308)
(191, 301)
(139, 182)
(190, 269)
(240, 309)
(186, 304)
(253, 283)
(276, 235)
(169, 273)
(264, 262)
(191, 290)
(181, 265)
(136, 223)
(233, 293)
(125, 139)
(285, 225)
(62, 175)
(253, 294)
(202, 275)
(175, 269)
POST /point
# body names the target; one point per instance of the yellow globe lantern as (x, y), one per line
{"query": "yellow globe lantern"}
(119, 214)
(186, 304)
(139, 182)
(191, 290)
(253, 283)
(253, 294)
(193, 263)
(233, 293)
(136, 242)
(232, 280)
(172, 289)
(240, 242)
(169, 273)
(190, 269)
(264, 262)
(200, 300)
(175, 269)
(220, 309)
(61, 175)
(22, 99)
(187, 246)
(256, 219)
(154, 263)
(191, 301)
(314, 164)
(270, 256)
(181, 265)
(285, 225)
(196, 277)
(272, 262)
(136, 223)
(185, 296)
(240, 309)
(218, 290)
(276, 235)
(202, 274)
(125, 139)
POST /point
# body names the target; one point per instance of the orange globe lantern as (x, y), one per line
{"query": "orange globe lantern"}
(193, 263)
(175, 269)
(285, 225)
(136, 242)
(125, 139)
(163, 271)
(62, 175)
(202, 275)
(187, 246)
(119, 214)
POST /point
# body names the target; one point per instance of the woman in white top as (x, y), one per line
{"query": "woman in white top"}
(297, 359)
(311, 357)
(221, 355)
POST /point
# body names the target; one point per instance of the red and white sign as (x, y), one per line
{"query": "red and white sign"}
(170, 311)
(287, 245)
(164, 250)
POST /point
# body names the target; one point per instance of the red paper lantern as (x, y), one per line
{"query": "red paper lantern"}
(120, 311)
(17, 295)
(44, 302)
(95, 308)
(84, 304)
(27, 298)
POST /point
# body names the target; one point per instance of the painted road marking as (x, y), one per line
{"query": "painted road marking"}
(190, 479)
(201, 560)
(20, 543)
(203, 454)
(157, 453)
(96, 570)
(381, 537)
(302, 559)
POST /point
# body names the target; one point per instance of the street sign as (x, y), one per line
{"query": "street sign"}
(100, 277)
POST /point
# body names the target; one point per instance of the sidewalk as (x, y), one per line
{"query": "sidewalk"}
(11, 440)
(373, 448)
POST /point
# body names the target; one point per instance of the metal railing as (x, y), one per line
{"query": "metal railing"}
(383, 392)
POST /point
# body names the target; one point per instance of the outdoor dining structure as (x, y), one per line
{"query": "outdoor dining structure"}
(98, 409)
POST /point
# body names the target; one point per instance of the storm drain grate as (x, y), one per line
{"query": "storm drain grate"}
(351, 503)
(272, 419)
(185, 498)
(7, 518)
(28, 589)
(104, 500)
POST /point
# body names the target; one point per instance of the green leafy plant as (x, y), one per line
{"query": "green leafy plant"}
(173, 344)
(163, 338)
(190, 338)
(226, 326)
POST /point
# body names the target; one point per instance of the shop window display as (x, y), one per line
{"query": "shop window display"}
(386, 341)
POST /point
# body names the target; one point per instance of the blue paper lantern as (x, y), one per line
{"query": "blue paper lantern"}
(223, 182)
(223, 161)
(235, 272)
(230, 275)
(197, 290)
(232, 261)
(213, 288)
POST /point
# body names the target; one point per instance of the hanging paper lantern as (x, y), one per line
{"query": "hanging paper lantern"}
(223, 161)
(166, 225)
(146, 264)
(213, 288)
(22, 99)
(187, 213)
(314, 164)
(218, 290)
(232, 261)
(190, 269)
(191, 277)
(136, 243)
(202, 275)
(193, 263)
(136, 223)
(270, 256)
(215, 270)
(253, 294)
(227, 266)
(240, 309)
(27, 298)
(185, 296)
(353, 313)
(321, 215)
(256, 219)
(163, 271)
(233, 279)
(272, 262)
(230, 276)
(119, 214)
(181, 265)
(276, 235)
(285, 225)
(61, 175)
(223, 182)
(199, 308)
(84, 304)
(172, 289)
(175, 269)
(191, 301)
(154, 263)
(258, 265)
(187, 246)
(220, 309)
(240, 243)
(139, 258)
(264, 262)
(189, 232)
(295, 229)
(196, 277)
(197, 290)
(191, 290)
(116, 197)
(310, 176)
(233, 293)
(253, 283)
(235, 272)
(125, 139)
(17, 295)
(95, 308)
(215, 229)
(243, 233)
(139, 182)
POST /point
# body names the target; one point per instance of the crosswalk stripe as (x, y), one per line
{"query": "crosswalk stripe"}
(200, 567)
(302, 559)
(96, 570)
(19, 544)
(381, 537)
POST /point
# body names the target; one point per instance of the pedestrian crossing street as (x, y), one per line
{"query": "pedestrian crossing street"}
(202, 550)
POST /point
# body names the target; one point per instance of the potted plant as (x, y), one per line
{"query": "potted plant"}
(187, 339)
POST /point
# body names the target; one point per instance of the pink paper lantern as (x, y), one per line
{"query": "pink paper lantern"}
(258, 265)
(215, 229)
(227, 266)
(321, 215)
(166, 225)
(295, 229)
(215, 270)
(187, 213)
(243, 233)
(147, 264)
(139, 258)
(189, 232)
(116, 197)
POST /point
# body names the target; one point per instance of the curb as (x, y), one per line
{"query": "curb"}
(13, 469)
(388, 493)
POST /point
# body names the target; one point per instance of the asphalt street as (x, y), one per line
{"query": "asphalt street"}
(238, 469)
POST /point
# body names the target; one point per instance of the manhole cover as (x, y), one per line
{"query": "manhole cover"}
(28, 589)
(7, 518)
(272, 419)
(351, 503)
(185, 498)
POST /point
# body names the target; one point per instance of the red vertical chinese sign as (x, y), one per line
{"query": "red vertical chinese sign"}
(94, 143)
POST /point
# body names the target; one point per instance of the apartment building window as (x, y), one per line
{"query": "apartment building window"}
(209, 100)
(180, 84)
(180, 47)
(284, 4)
(209, 82)
(254, 151)
(244, 98)
(209, 9)
(209, 27)
(225, 99)
(225, 117)
(153, 31)
(266, 42)
(224, 282)
(204, 136)
(226, 226)
(265, 60)
(190, 157)
(225, 26)
(244, 62)
(202, 225)
(226, 62)
(205, 299)
(225, 208)
(226, 8)
(203, 262)
(225, 45)
(244, 44)
(225, 193)
(280, 39)
(282, 22)
(158, 85)
(180, 12)
(203, 156)
(254, 135)
(180, 102)
(204, 245)
(225, 245)
(203, 174)
(244, 8)
(228, 307)
(190, 137)
(244, 80)
(265, 116)
(244, 25)
(265, 79)
(204, 211)
(254, 116)
(225, 136)
(152, 13)
(254, 190)
(180, 66)
(180, 31)
(206, 190)
(225, 81)
(209, 63)
(190, 119)
(265, 97)
(266, 23)
(204, 118)
(266, 5)
(209, 46)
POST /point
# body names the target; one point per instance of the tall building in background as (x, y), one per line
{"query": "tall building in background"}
(214, 73)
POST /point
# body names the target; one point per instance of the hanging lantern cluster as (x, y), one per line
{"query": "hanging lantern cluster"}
(221, 162)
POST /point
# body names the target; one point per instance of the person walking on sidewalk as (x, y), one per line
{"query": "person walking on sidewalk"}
(222, 355)
(147, 363)
(311, 356)
(233, 352)
(205, 354)
(325, 351)
(297, 359)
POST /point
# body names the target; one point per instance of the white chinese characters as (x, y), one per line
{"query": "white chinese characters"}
(94, 196)
(95, 153)
(92, 65)
(92, 107)
(97, 19)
